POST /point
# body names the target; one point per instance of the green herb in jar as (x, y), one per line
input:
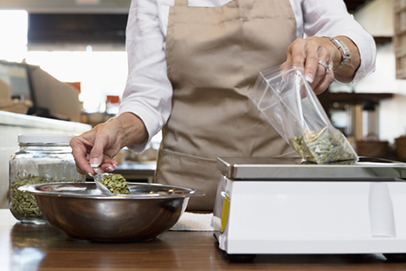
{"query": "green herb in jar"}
(24, 204)
(116, 183)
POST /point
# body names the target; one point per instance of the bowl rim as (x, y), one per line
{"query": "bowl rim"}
(33, 189)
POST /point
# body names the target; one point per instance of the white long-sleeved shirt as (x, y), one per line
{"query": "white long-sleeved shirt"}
(148, 91)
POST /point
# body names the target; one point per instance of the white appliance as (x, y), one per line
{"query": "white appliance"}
(284, 206)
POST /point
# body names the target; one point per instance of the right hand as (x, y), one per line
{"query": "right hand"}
(306, 54)
(98, 146)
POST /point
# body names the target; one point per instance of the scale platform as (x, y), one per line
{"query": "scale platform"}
(285, 206)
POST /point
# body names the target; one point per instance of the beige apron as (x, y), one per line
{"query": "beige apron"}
(214, 56)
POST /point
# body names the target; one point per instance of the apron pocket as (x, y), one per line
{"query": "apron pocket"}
(179, 169)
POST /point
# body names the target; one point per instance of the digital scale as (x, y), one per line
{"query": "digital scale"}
(285, 206)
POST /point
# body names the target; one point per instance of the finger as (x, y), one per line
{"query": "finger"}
(80, 171)
(323, 74)
(319, 75)
(285, 66)
(113, 162)
(324, 82)
(323, 65)
(83, 165)
(80, 152)
(109, 165)
(318, 55)
(312, 63)
(296, 53)
(97, 152)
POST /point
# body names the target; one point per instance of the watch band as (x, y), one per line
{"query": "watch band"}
(345, 52)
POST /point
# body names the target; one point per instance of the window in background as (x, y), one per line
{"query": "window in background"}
(100, 73)
(13, 35)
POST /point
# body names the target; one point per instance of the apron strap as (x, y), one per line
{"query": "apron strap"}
(180, 3)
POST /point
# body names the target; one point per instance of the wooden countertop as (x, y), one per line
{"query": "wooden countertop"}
(42, 247)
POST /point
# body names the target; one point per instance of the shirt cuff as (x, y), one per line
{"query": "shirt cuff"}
(148, 122)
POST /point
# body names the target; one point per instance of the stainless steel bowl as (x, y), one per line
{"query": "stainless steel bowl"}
(82, 212)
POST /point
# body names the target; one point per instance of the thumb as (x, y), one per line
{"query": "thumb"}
(95, 161)
(96, 155)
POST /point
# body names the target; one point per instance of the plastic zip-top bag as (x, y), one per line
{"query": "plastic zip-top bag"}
(288, 102)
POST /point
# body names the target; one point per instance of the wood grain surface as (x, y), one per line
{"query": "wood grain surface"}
(42, 247)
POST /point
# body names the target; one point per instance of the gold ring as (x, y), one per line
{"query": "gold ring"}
(324, 64)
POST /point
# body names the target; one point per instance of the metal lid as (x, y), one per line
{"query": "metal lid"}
(238, 168)
(44, 139)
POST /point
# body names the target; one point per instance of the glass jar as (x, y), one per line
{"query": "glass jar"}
(39, 159)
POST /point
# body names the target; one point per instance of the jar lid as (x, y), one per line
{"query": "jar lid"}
(33, 138)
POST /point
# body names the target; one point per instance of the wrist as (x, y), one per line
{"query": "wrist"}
(343, 56)
(132, 129)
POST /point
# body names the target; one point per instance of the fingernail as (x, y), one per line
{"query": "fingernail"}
(309, 78)
(94, 162)
(110, 169)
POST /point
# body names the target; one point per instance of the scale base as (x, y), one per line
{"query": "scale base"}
(313, 217)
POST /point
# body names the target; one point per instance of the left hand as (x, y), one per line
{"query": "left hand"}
(311, 54)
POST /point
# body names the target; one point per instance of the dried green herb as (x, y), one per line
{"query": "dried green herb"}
(24, 205)
(301, 148)
(116, 183)
(323, 147)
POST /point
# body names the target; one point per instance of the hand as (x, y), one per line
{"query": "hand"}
(317, 56)
(98, 146)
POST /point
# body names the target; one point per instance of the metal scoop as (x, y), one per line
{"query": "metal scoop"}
(97, 177)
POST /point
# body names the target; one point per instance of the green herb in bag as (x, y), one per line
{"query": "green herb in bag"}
(323, 147)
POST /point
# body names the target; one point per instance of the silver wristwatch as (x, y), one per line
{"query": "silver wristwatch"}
(345, 52)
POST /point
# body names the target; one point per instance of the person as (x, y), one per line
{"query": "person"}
(191, 64)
